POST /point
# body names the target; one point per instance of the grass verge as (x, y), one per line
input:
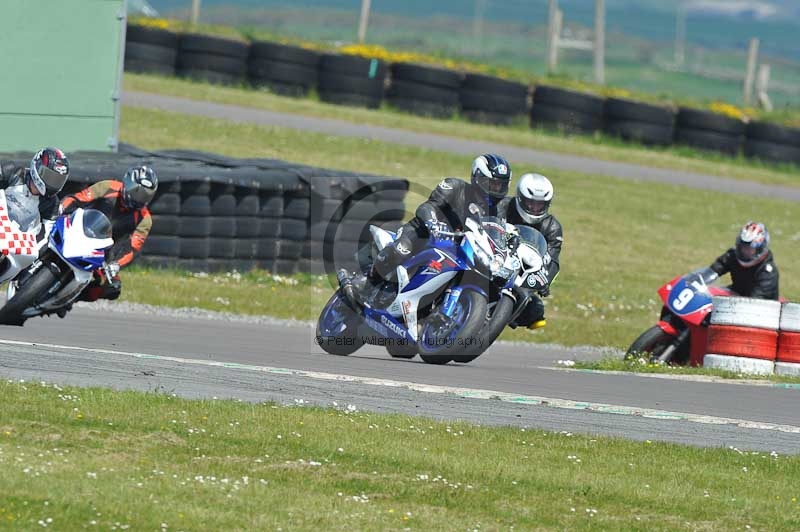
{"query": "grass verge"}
(92, 458)
(597, 147)
(641, 365)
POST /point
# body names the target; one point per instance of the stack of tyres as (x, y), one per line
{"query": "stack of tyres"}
(491, 100)
(212, 59)
(247, 229)
(162, 247)
(566, 110)
(772, 143)
(292, 232)
(194, 225)
(787, 361)
(150, 50)
(709, 131)
(351, 80)
(283, 69)
(648, 124)
(271, 204)
(743, 335)
(424, 90)
(326, 213)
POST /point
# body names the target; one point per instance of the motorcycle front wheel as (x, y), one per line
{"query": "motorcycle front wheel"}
(443, 338)
(496, 321)
(652, 343)
(27, 296)
(337, 327)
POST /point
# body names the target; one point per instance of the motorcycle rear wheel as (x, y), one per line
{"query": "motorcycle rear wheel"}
(337, 327)
(26, 296)
(652, 343)
(492, 327)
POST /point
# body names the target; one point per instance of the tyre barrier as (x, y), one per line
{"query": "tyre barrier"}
(788, 357)
(566, 110)
(150, 50)
(351, 80)
(492, 100)
(645, 123)
(286, 70)
(213, 213)
(432, 91)
(743, 335)
(709, 131)
(212, 59)
(772, 143)
(424, 90)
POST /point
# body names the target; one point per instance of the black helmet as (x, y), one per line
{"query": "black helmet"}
(139, 186)
(492, 174)
(49, 171)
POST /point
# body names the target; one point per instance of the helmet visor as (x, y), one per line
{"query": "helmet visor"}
(533, 207)
(492, 186)
(46, 180)
(746, 252)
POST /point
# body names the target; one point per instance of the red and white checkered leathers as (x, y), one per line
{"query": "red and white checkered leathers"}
(12, 240)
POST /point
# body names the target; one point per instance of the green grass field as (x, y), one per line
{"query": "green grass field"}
(76, 459)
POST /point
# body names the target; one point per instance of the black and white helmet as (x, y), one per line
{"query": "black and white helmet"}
(534, 194)
(49, 171)
(139, 186)
(492, 174)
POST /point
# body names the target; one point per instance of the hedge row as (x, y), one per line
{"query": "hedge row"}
(431, 91)
(217, 213)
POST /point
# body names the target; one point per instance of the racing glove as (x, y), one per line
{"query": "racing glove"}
(111, 270)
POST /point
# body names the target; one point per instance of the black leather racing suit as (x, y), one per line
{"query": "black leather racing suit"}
(552, 232)
(450, 203)
(760, 280)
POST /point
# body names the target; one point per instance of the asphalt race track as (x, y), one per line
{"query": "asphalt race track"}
(196, 354)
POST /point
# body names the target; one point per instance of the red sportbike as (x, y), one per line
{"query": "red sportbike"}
(680, 335)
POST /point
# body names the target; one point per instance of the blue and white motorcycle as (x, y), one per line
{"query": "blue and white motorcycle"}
(436, 307)
(75, 249)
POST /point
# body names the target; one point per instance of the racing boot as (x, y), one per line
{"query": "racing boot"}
(62, 312)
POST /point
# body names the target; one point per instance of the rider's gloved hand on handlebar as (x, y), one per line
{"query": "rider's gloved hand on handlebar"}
(111, 269)
(542, 285)
(435, 227)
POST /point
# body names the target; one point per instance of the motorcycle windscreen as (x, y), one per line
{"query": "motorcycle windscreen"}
(496, 231)
(533, 238)
(96, 224)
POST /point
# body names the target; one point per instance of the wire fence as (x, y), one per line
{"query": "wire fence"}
(706, 62)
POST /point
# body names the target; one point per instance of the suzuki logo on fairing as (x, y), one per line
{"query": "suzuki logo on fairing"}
(393, 326)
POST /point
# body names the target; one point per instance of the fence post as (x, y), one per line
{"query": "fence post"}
(680, 35)
(555, 36)
(195, 12)
(363, 20)
(552, 6)
(752, 58)
(762, 83)
(600, 42)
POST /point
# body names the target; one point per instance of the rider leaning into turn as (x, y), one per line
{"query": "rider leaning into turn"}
(447, 207)
(125, 204)
(750, 263)
(531, 207)
(38, 184)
